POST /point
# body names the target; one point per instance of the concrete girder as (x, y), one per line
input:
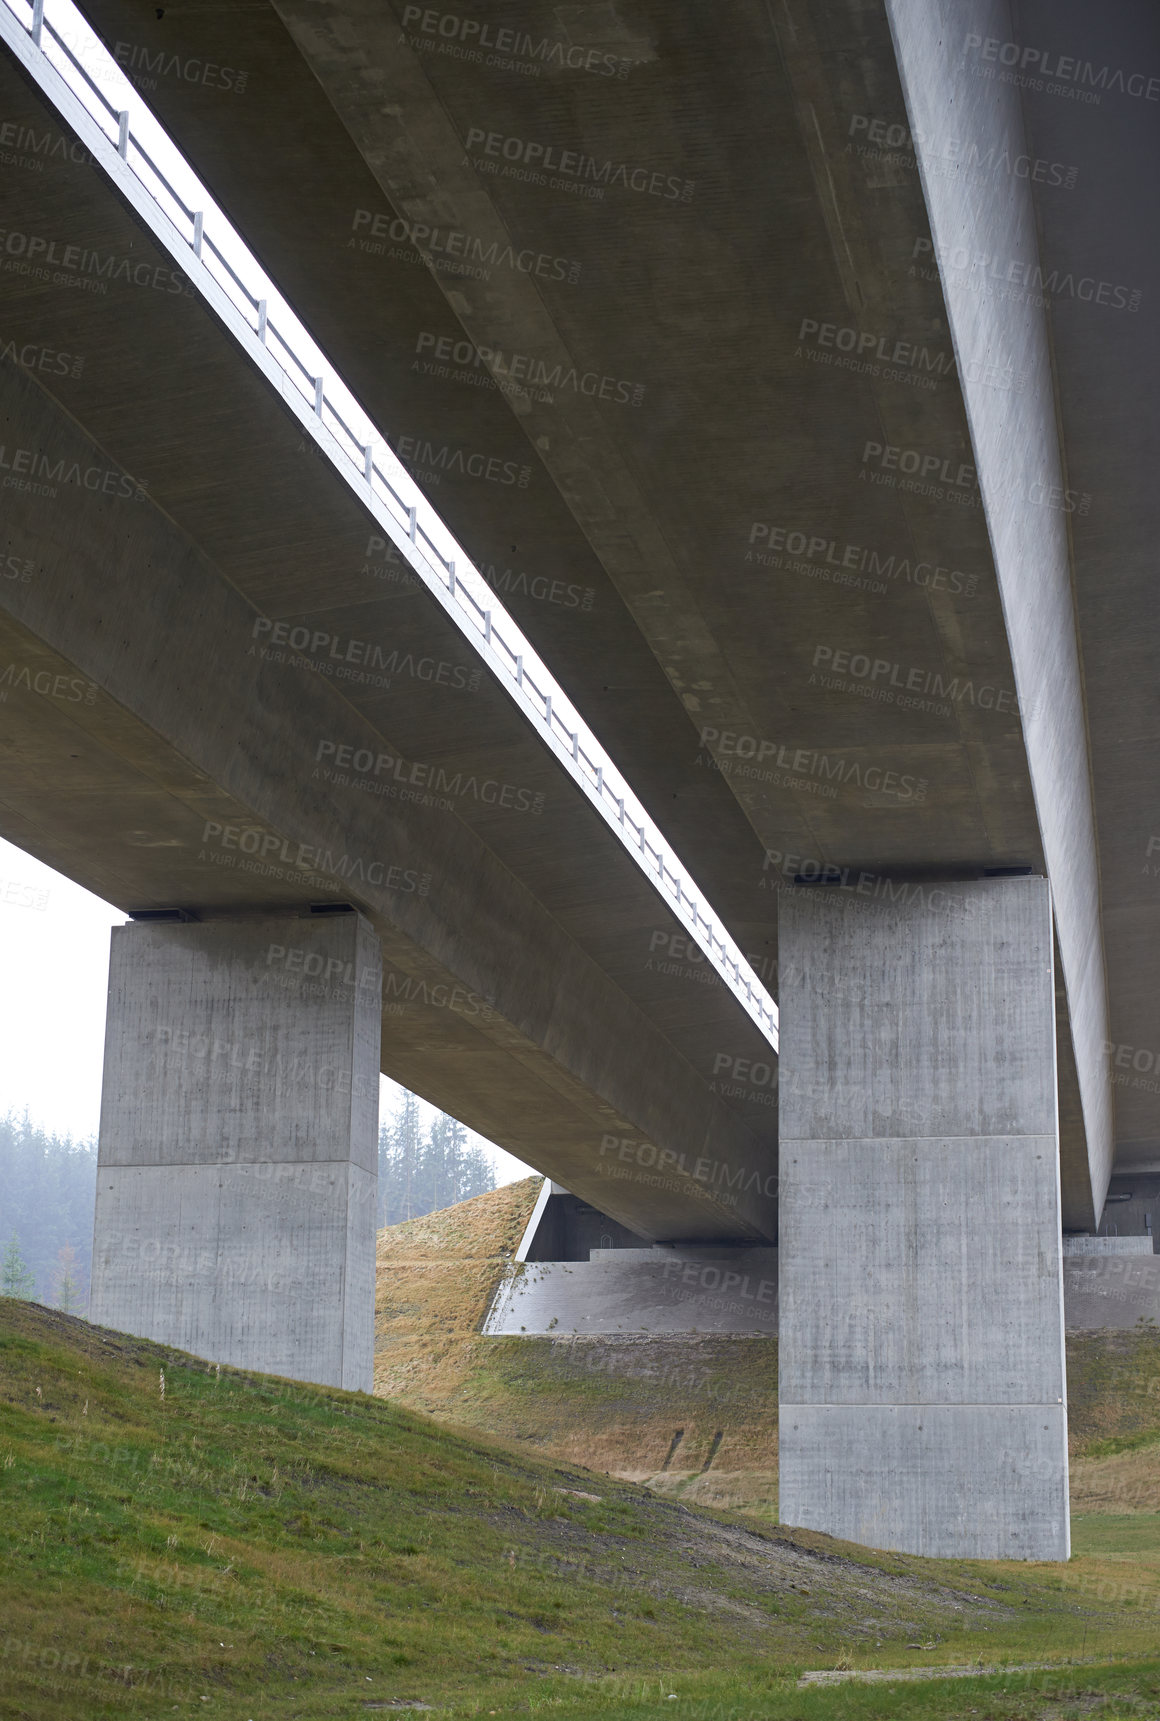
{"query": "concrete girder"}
(1003, 345)
(179, 727)
(846, 238)
(403, 113)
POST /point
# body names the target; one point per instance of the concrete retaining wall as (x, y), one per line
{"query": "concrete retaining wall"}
(638, 1291)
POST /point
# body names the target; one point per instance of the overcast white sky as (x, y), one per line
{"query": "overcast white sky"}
(54, 972)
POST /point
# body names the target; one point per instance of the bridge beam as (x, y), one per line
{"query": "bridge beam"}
(238, 1162)
(1003, 346)
(922, 1390)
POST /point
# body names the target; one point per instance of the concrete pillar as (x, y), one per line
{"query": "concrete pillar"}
(921, 1380)
(238, 1163)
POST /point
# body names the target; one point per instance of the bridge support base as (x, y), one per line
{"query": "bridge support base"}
(921, 1367)
(237, 1174)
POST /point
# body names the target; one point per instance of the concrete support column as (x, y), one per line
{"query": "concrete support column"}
(238, 1163)
(922, 1390)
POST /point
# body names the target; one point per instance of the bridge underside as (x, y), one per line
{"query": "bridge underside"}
(799, 488)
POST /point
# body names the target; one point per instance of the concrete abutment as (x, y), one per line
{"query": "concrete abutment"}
(238, 1161)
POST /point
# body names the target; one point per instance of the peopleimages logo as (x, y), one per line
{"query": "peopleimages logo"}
(747, 756)
(1058, 74)
(73, 689)
(846, 564)
(245, 1056)
(755, 1073)
(875, 887)
(268, 853)
(383, 773)
(541, 159)
(32, 470)
(677, 953)
(463, 250)
(919, 463)
(712, 1173)
(522, 373)
(987, 269)
(880, 674)
(429, 462)
(1132, 1065)
(709, 1277)
(30, 356)
(14, 893)
(384, 561)
(144, 68)
(96, 268)
(867, 354)
(884, 348)
(434, 996)
(355, 658)
(506, 49)
(16, 567)
(949, 155)
(48, 145)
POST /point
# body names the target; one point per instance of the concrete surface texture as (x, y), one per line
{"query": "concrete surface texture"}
(238, 1160)
(861, 586)
(1107, 1246)
(1108, 1282)
(482, 980)
(487, 981)
(735, 1291)
(921, 1368)
(804, 655)
(660, 1290)
(1018, 458)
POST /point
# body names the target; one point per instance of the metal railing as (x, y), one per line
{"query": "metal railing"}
(377, 476)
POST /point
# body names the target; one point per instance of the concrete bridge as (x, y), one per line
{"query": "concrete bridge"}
(787, 375)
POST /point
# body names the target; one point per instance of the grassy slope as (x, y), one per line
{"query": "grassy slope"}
(251, 1548)
(1113, 1387)
(613, 1404)
(617, 1404)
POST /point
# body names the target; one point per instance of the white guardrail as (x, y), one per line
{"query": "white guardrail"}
(56, 45)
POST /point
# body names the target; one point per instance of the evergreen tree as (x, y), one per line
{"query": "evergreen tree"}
(452, 1170)
(16, 1280)
(419, 1175)
(48, 1187)
(400, 1147)
(67, 1292)
(48, 1191)
(408, 1137)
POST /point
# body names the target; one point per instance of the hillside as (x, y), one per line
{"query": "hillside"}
(696, 1417)
(247, 1547)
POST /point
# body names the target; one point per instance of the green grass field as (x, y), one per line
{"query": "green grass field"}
(247, 1547)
